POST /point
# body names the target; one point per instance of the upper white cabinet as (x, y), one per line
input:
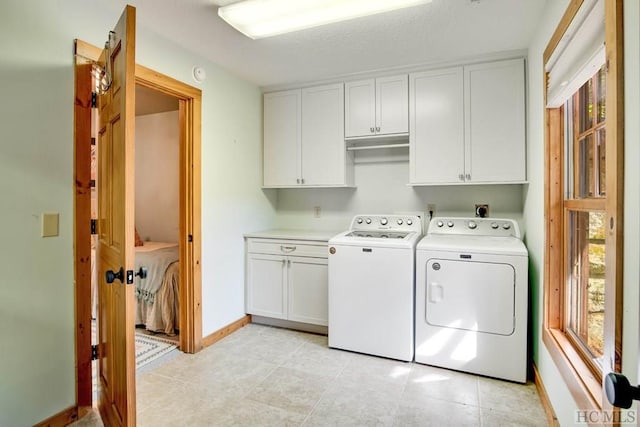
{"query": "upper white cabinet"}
(304, 138)
(436, 141)
(377, 107)
(282, 136)
(468, 124)
(324, 159)
(495, 122)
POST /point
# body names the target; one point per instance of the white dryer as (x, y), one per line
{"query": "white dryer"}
(472, 297)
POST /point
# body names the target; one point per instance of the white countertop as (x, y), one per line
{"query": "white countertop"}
(315, 235)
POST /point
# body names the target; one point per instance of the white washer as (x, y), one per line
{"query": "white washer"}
(471, 297)
(371, 286)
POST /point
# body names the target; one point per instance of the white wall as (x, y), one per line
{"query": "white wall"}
(158, 176)
(382, 188)
(560, 397)
(36, 175)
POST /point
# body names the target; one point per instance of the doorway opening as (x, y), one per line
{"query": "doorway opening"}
(169, 217)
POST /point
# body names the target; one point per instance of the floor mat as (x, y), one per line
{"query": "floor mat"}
(150, 348)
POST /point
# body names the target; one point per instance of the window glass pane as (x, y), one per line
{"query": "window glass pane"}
(585, 106)
(584, 171)
(602, 90)
(586, 278)
(601, 167)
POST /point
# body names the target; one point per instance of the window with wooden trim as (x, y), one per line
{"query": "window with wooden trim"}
(583, 197)
(584, 220)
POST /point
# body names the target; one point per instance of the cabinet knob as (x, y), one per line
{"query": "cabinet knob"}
(461, 177)
(372, 130)
(468, 177)
(377, 128)
(302, 181)
(298, 181)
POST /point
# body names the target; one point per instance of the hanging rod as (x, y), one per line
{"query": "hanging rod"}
(374, 147)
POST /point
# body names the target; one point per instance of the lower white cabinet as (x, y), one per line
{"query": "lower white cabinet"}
(307, 292)
(267, 285)
(287, 280)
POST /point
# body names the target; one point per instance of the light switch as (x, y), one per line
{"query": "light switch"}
(50, 224)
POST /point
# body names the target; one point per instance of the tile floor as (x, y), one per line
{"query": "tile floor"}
(265, 376)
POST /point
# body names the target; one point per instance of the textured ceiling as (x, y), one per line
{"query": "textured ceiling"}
(444, 30)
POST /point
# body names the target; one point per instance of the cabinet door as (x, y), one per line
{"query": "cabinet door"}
(308, 290)
(495, 121)
(392, 105)
(266, 285)
(436, 141)
(282, 132)
(323, 149)
(360, 108)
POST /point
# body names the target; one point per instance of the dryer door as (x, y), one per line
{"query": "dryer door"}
(469, 295)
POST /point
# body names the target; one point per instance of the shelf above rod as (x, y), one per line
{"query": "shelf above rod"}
(375, 147)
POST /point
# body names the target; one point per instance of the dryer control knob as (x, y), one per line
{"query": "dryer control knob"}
(473, 225)
(400, 221)
(409, 221)
(450, 224)
(506, 226)
(384, 221)
(440, 224)
(494, 225)
(368, 220)
(359, 220)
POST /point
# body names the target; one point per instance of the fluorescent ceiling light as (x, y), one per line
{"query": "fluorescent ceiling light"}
(264, 18)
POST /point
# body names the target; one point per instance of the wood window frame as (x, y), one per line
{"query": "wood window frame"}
(584, 386)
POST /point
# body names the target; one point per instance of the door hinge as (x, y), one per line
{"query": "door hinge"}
(94, 352)
(94, 226)
(190, 238)
(94, 99)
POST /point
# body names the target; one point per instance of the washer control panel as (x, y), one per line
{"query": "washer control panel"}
(496, 227)
(387, 222)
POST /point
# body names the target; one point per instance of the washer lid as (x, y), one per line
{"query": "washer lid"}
(474, 244)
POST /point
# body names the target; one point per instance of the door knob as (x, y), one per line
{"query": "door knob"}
(142, 273)
(619, 392)
(111, 276)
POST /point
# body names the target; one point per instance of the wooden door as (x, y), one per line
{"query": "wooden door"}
(116, 309)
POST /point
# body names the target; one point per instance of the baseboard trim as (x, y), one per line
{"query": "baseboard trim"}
(552, 420)
(60, 419)
(225, 331)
